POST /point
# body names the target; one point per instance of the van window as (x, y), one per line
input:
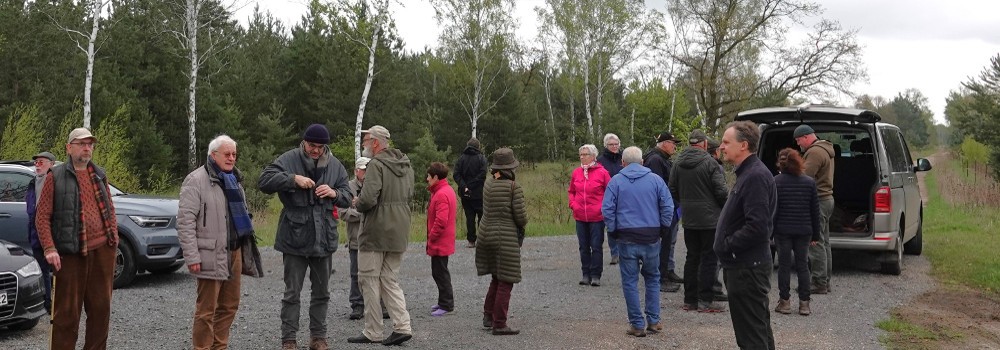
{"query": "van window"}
(13, 186)
(898, 158)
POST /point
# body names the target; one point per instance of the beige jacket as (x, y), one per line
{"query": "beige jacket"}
(352, 217)
(203, 224)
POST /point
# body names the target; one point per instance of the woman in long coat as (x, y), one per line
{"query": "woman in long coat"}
(498, 247)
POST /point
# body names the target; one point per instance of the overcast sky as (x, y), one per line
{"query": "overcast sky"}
(930, 45)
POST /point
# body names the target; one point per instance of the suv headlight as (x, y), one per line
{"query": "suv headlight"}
(30, 269)
(150, 221)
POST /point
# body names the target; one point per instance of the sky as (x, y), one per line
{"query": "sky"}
(930, 45)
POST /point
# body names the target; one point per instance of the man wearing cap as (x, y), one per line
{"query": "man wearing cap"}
(352, 217)
(43, 162)
(384, 203)
(818, 163)
(310, 182)
(470, 175)
(78, 233)
(698, 184)
(658, 160)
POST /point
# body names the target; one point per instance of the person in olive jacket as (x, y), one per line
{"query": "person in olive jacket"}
(310, 182)
(498, 252)
(470, 174)
(796, 227)
(217, 237)
(384, 203)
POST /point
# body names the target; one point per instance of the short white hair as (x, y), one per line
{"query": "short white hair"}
(590, 149)
(609, 136)
(218, 141)
(632, 155)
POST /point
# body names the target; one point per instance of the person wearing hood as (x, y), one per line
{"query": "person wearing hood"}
(636, 205)
(384, 203)
(611, 160)
(310, 182)
(470, 174)
(698, 184)
(586, 192)
(43, 162)
(658, 161)
(818, 157)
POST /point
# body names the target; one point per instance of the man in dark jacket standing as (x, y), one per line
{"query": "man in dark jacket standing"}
(698, 184)
(384, 203)
(818, 156)
(310, 182)
(658, 160)
(611, 160)
(742, 239)
(470, 174)
(43, 162)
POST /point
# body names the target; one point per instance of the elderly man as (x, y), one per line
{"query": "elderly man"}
(636, 205)
(698, 184)
(310, 182)
(658, 161)
(353, 219)
(385, 228)
(819, 155)
(221, 247)
(79, 236)
(43, 162)
(742, 238)
(611, 160)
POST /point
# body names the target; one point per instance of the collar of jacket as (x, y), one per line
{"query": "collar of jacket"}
(72, 170)
(214, 175)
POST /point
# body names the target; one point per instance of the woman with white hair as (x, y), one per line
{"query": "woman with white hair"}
(586, 192)
(611, 160)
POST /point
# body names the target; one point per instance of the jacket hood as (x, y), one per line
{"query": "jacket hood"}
(691, 157)
(825, 145)
(394, 160)
(634, 171)
(471, 150)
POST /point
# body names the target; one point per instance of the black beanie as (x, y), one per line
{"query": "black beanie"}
(317, 133)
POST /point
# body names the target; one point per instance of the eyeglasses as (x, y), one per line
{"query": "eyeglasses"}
(614, 144)
(41, 161)
(85, 144)
(233, 155)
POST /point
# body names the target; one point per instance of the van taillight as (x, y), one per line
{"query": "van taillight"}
(883, 200)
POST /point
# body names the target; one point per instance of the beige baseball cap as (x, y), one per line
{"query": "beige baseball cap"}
(79, 134)
(378, 130)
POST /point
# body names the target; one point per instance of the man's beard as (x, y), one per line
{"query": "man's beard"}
(366, 152)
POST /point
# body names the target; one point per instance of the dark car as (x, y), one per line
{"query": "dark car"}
(22, 295)
(146, 226)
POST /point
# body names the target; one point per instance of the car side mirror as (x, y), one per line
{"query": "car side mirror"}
(923, 165)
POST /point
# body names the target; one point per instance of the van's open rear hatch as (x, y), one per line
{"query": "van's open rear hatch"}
(807, 113)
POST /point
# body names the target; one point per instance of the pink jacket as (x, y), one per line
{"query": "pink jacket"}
(587, 193)
(441, 220)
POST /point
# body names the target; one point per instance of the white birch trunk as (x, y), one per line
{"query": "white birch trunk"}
(95, 15)
(364, 94)
(631, 127)
(552, 117)
(586, 99)
(191, 27)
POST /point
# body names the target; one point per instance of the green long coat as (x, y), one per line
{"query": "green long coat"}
(497, 251)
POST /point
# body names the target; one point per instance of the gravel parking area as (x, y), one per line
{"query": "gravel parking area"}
(549, 307)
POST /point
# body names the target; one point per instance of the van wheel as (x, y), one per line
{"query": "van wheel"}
(125, 269)
(916, 244)
(893, 261)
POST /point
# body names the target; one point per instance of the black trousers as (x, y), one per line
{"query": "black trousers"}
(748, 305)
(787, 247)
(700, 266)
(442, 277)
(473, 209)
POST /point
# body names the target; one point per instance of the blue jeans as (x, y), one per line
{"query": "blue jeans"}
(590, 236)
(633, 260)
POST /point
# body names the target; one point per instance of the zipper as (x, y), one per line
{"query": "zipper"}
(204, 214)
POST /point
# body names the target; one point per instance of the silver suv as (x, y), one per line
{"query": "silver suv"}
(877, 201)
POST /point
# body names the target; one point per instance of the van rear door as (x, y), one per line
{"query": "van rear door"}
(808, 113)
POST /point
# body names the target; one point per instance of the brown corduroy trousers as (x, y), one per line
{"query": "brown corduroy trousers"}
(83, 282)
(216, 307)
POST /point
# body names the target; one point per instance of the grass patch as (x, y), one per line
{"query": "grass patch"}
(904, 329)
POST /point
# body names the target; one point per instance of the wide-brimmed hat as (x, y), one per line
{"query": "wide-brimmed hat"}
(504, 159)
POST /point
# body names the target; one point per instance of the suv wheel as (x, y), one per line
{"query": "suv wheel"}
(125, 269)
(916, 244)
(893, 263)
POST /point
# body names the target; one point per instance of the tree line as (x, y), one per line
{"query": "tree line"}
(157, 79)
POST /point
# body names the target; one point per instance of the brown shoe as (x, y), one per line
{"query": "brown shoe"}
(654, 328)
(804, 309)
(635, 332)
(318, 344)
(288, 345)
(505, 331)
(783, 307)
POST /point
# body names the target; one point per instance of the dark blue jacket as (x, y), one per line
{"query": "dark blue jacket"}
(798, 206)
(742, 238)
(612, 162)
(32, 207)
(636, 204)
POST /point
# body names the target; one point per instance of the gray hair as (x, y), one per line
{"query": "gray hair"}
(609, 136)
(632, 155)
(218, 141)
(590, 149)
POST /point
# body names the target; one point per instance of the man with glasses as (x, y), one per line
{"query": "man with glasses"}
(658, 160)
(611, 160)
(43, 162)
(79, 236)
(310, 182)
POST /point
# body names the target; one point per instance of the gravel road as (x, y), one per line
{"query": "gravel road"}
(549, 307)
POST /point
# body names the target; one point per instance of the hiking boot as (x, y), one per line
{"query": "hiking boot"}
(596, 282)
(819, 290)
(710, 307)
(654, 328)
(357, 313)
(318, 344)
(614, 260)
(673, 277)
(804, 309)
(720, 296)
(505, 331)
(585, 281)
(361, 339)
(669, 287)
(396, 339)
(487, 321)
(635, 332)
(783, 307)
(288, 345)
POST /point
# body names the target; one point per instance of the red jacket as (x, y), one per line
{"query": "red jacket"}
(441, 219)
(587, 193)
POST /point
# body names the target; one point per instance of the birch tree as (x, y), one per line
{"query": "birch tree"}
(366, 23)
(478, 37)
(95, 9)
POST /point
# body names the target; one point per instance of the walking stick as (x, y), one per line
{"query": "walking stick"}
(52, 305)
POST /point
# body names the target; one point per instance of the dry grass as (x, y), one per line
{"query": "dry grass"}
(967, 186)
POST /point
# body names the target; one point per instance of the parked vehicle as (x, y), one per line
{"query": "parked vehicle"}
(22, 295)
(877, 201)
(146, 225)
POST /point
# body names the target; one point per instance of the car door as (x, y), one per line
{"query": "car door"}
(13, 212)
(902, 172)
(912, 189)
